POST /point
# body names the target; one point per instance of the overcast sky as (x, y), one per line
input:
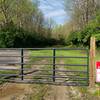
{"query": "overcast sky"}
(54, 9)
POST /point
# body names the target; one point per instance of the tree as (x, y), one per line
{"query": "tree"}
(22, 24)
(23, 13)
(85, 20)
(81, 11)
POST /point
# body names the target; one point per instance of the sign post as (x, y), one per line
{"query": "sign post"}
(98, 71)
(92, 68)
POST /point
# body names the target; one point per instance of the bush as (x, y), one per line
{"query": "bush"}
(82, 37)
(10, 36)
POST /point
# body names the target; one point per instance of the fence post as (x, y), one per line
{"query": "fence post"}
(88, 65)
(92, 72)
(22, 60)
(54, 54)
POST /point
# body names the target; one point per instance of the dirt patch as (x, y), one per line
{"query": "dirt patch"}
(10, 91)
(57, 93)
(62, 92)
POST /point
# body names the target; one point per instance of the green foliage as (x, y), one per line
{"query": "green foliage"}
(82, 37)
(7, 36)
(11, 36)
(22, 25)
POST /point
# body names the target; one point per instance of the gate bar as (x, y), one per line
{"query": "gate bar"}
(54, 53)
(22, 61)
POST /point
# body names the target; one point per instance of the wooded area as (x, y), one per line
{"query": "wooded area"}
(84, 22)
(22, 24)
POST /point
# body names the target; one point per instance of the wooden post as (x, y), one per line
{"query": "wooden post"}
(92, 71)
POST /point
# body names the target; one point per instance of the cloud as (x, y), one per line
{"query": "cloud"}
(54, 9)
(45, 8)
(55, 13)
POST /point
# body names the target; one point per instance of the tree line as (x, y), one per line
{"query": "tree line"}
(22, 24)
(84, 22)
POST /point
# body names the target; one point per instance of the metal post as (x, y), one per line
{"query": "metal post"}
(54, 60)
(88, 66)
(22, 60)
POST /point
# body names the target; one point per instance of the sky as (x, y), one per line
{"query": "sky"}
(54, 9)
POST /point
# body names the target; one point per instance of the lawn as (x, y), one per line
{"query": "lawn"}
(70, 63)
(64, 53)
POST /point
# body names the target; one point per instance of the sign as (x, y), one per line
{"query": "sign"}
(98, 71)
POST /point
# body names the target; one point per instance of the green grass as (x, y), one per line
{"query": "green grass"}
(73, 61)
(40, 94)
(64, 53)
(61, 53)
(97, 92)
(98, 55)
(2, 78)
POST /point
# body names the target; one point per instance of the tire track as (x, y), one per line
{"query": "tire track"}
(63, 92)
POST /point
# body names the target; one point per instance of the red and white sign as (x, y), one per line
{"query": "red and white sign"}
(98, 71)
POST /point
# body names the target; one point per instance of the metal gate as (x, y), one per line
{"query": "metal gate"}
(55, 66)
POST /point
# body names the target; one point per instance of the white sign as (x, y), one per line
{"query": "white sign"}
(97, 71)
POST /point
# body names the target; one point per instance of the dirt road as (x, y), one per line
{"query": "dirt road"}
(63, 92)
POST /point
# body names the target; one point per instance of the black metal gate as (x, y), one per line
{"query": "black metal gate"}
(59, 66)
